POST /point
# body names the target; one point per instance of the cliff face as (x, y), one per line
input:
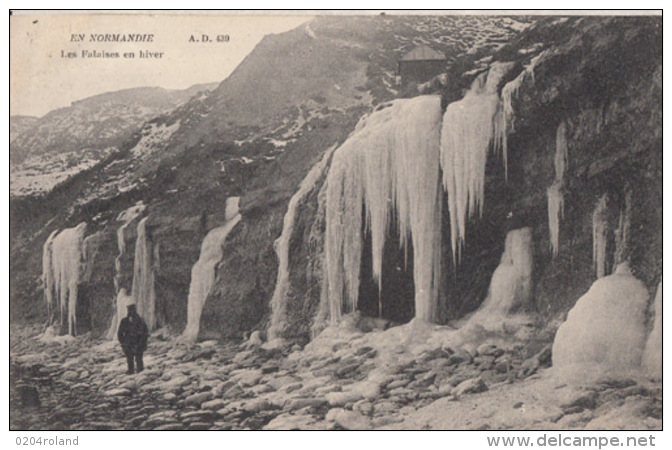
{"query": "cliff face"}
(592, 88)
(256, 135)
(301, 93)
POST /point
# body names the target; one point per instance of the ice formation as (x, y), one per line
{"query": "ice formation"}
(203, 272)
(607, 326)
(652, 360)
(143, 276)
(48, 278)
(90, 247)
(127, 216)
(388, 165)
(63, 258)
(600, 236)
(467, 132)
(281, 245)
(511, 284)
(505, 119)
(622, 234)
(556, 201)
(556, 208)
(560, 159)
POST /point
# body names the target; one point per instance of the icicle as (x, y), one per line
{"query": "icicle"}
(623, 232)
(67, 260)
(281, 245)
(417, 152)
(143, 276)
(556, 208)
(203, 272)
(560, 159)
(600, 236)
(465, 139)
(556, 201)
(505, 118)
(343, 240)
(390, 161)
(48, 279)
(127, 216)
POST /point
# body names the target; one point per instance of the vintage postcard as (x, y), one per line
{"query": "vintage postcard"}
(440, 220)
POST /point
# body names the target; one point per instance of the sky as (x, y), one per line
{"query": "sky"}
(43, 78)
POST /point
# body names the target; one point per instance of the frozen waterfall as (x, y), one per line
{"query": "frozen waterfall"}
(466, 136)
(143, 276)
(511, 284)
(388, 165)
(555, 193)
(62, 261)
(203, 272)
(281, 245)
(126, 217)
(48, 276)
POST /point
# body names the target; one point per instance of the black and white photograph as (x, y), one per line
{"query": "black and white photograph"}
(337, 220)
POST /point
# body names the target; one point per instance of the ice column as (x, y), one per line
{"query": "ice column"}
(66, 267)
(505, 119)
(388, 165)
(126, 217)
(556, 201)
(143, 276)
(48, 278)
(203, 272)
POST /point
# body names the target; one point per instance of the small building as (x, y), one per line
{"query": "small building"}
(421, 65)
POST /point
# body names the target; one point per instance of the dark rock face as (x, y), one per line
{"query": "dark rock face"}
(606, 83)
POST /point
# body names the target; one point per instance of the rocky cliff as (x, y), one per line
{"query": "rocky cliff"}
(590, 86)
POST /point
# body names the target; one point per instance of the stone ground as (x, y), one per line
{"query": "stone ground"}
(80, 384)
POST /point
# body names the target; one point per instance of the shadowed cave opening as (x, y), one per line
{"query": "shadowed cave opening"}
(398, 290)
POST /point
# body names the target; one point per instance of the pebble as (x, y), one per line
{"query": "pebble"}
(300, 403)
(471, 386)
(198, 399)
(342, 398)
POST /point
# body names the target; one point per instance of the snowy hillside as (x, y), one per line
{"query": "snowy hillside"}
(64, 142)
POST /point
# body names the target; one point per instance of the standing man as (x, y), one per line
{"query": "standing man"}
(133, 336)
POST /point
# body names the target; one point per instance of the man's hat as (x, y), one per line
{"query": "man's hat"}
(131, 305)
